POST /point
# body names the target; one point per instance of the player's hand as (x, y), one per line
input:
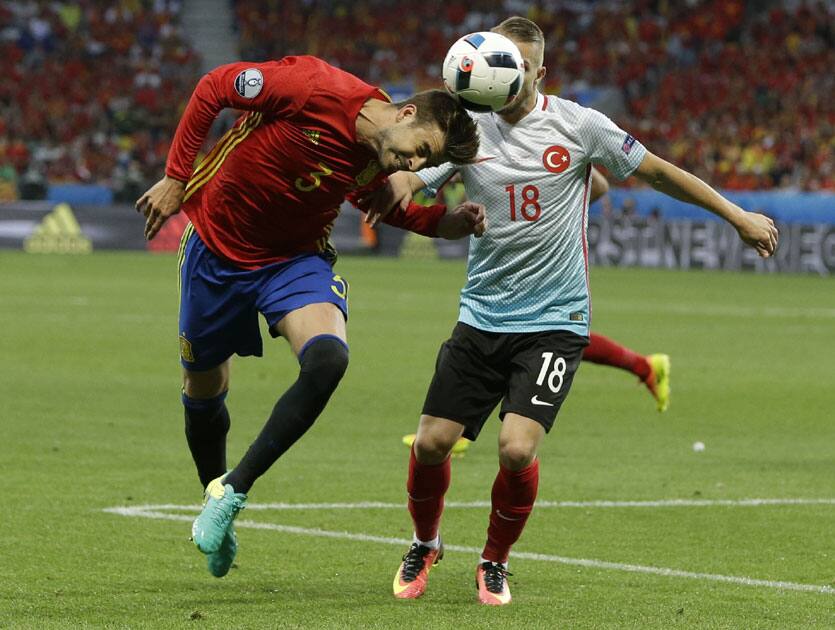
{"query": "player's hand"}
(758, 231)
(465, 219)
(161, 201)
(396, 192)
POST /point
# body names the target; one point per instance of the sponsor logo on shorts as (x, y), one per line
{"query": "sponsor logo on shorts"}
(185, 349)
(535, 401)
(576, 316)
(248, 83)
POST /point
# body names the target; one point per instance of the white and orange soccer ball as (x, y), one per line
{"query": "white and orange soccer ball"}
(484, 71)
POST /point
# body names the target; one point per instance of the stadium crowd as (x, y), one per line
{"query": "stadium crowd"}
(91, 90)
(739, 95)
(742, 97)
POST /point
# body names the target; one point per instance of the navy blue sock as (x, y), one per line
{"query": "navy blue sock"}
(323, 361)
(207, 423)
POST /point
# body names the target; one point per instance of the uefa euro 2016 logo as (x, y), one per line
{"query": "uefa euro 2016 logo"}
(248, 83)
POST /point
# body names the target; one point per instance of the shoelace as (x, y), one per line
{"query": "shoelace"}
(413, 562)
(219, 516)
(494, 576)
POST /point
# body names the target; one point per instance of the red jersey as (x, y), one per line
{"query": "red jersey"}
(271, 188)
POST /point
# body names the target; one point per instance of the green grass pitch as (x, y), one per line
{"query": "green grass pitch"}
(91, 419)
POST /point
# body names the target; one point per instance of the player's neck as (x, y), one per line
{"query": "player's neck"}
(373, 116)
(515, 115)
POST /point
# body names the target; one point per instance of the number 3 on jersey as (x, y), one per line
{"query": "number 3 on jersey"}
(530, 208)
(315, 178)
(557, 371)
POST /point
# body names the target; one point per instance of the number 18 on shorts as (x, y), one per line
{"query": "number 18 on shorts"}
(530, 374)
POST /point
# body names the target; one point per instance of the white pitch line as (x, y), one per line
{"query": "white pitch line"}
(150, 512)
(377, 505)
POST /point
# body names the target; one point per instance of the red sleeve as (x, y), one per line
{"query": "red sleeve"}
(279, 88)
(416, 218)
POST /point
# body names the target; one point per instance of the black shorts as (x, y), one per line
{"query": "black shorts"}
(530, 373)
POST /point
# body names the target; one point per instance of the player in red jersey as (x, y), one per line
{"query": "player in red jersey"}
(261, 206)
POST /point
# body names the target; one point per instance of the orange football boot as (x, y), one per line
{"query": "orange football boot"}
(491, 582)
(413, 573)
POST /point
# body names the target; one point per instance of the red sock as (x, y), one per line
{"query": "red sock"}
(514, 493)
(427, 486)
(606, 352)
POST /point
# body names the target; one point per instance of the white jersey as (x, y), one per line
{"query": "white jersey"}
(529, 272)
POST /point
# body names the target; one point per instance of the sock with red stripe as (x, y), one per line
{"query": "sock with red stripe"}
(427, 486)
(604, 351)
(514, 493)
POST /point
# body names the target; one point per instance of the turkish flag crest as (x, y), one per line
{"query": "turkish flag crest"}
(556, 159)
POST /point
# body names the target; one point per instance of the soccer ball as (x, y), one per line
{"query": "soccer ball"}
(484, 71)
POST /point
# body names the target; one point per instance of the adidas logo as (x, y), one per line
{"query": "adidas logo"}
(58, 233)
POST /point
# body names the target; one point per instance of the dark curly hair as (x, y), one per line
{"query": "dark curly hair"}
(460, 132)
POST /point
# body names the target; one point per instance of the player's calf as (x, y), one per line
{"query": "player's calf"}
(323, 361)
(206, 425)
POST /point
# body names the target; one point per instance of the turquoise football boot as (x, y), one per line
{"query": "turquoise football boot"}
(221, 560)
(220, 508)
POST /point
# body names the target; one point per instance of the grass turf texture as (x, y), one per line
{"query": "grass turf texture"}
(91, 419)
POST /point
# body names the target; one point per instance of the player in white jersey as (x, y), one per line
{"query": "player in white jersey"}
(525, 309)
(653, 370)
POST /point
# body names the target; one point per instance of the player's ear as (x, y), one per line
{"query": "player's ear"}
(540, 74)
(406, 112)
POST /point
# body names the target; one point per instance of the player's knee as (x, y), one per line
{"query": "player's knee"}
(516, 454)
(432, 448)
(206, 384)
(323, 362)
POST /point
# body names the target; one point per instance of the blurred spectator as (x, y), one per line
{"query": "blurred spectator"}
(8, 182)
(628, 209)
(743, 97)
(91, 90)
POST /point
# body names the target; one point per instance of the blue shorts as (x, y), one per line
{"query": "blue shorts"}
(219, 303)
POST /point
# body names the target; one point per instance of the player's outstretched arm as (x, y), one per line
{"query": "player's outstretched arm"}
(396, 192)
(161, 201)
(465, 219)
(756, 230)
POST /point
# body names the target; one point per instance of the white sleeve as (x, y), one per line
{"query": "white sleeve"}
(611, 146)
(436, 176)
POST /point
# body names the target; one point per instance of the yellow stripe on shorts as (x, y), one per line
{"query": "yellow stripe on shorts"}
(181, 253)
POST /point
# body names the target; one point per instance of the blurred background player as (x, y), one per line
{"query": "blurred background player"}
(261, 206)
(525, 308)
